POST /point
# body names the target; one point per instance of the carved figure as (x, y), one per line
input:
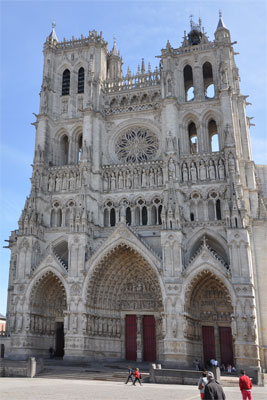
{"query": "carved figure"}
(105, 182)
(159, 176)
(171, 169)
(50, 183)
(144, 178)
(221, 170)
(185, 173)
(211, 171)
(120, 181)
(202, 171)
(193, 172)
(113, 181)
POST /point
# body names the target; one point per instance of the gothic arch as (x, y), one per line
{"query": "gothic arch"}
(123, 282)
(210, 233)
(104, 253)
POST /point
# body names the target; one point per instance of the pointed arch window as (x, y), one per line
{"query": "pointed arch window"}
(208, 80)
(81, 80)
(213, 136)
(66, 82)
(192, 132)
(188, 83)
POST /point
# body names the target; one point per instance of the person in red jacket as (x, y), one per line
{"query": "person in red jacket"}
(137, 376)
(245, 385)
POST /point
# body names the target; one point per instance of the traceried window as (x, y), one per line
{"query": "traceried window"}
(137, 145)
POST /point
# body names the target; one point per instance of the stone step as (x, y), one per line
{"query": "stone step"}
(76, 373)
(228, 381)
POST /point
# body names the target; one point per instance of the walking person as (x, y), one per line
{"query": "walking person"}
(202, 383)
(130, 375)
(213, 390)
(137, 376)
(245, 385)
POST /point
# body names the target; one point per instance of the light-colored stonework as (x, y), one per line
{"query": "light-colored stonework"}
(133, 209)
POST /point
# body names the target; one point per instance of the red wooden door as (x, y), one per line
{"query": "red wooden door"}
(226, 344)
(130, 337)
(149, 338)
(208, 343)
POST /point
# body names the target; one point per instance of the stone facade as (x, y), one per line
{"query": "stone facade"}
(145, 203)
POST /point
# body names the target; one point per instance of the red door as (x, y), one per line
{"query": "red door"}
(226, 344)
(130, 337)
(208, 343)
(149, 338)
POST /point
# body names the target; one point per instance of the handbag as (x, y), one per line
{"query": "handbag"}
(201, 385)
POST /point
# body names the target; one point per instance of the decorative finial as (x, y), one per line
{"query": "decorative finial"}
(191, 20)
(53, 24)
(204, 241)
(220, 13)
(114, 38)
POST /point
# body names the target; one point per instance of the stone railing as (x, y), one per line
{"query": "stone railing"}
(133, 176)
(141, 80)
(131, 108)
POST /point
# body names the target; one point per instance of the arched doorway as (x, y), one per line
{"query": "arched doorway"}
(208, 319)
(124, 303)
(46, 317)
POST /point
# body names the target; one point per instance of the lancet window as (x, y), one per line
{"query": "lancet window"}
(56, 215)
(208, 80)
(81, 80)
(64, 150)
(213, 136)
(66, 82)
(109, 214)
(193, 139)
(188, 83)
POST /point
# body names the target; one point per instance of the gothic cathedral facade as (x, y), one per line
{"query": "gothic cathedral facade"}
(143, 234)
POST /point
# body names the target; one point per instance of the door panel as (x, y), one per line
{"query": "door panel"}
(226, 344)
(208, 343)
(59, 340)
(149, 338)
(130, 337)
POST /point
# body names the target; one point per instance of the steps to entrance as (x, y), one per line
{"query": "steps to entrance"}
(115, 372)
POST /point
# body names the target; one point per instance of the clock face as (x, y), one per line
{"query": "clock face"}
(136, 145)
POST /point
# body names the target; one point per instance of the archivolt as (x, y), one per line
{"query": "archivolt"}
(121, 270)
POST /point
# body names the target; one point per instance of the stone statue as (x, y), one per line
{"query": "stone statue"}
(202, 171)
(185, 173)
(211, 171)
(193, 172)
(135, 179)
(221, 170)
(105, 182)
(120, 181)
(144, 180)
(113, 181)
(160, 178)
(171, 169)
(50, 183)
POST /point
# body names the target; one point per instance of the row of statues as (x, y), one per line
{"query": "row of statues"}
(93, 325)
(64, 181)
(202, 171)
(132, 179)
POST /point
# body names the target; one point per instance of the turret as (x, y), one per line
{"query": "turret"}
(114, 62)
(222, 34)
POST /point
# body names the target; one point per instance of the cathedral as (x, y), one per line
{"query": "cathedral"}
(143, 237)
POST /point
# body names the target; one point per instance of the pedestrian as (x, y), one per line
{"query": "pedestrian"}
(245, 385)
(196, 364)
(213, 390)
(130, 375)
(51, 352)
(137, 376)
(202, 383)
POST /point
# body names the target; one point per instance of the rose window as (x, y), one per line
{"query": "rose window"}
(137, 145)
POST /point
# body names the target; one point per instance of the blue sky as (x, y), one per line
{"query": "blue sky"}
(142, 29)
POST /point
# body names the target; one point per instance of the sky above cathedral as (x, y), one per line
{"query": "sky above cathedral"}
(142, 29)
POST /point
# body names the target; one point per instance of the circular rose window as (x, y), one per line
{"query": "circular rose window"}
(136, 145)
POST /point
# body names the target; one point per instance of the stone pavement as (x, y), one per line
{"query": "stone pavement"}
(62, 389)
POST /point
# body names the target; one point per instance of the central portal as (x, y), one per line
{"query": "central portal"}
(145, 336)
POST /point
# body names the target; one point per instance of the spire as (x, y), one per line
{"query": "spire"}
(53, 35)
(114, 50)
(220, 23)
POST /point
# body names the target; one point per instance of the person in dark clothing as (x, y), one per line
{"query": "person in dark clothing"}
(130, 375)
(213, 390)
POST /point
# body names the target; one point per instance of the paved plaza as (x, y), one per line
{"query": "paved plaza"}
(61, 389)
